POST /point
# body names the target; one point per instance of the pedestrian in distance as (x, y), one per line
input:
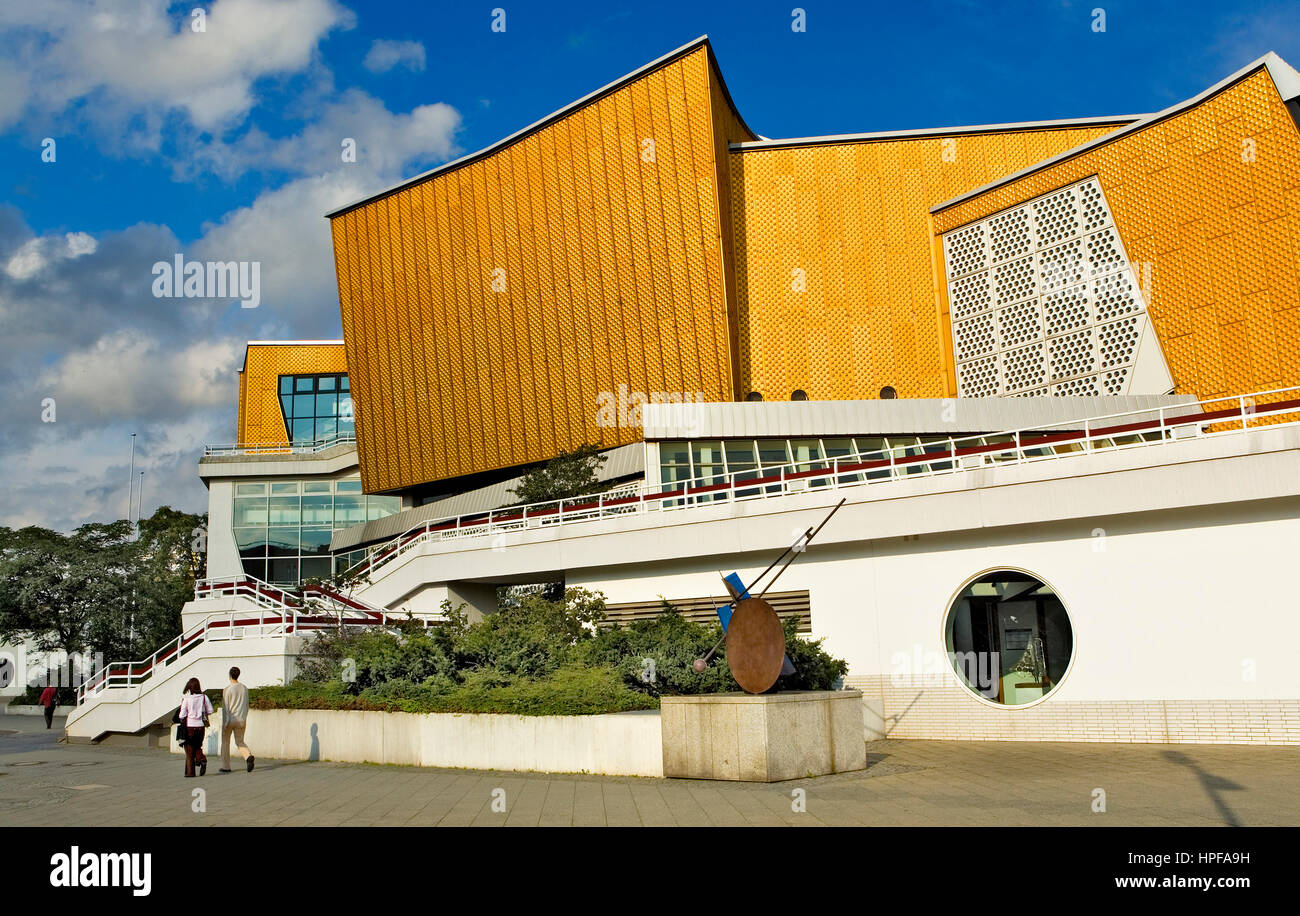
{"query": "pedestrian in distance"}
(49, 699)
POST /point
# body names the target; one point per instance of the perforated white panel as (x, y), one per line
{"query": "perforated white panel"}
(1043, 301)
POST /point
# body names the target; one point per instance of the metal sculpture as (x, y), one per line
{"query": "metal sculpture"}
(751, 627)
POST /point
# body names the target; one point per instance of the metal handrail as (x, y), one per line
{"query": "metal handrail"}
(288, 618)
(262, 448)
(1148, 426)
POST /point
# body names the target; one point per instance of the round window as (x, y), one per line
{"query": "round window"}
(1009, 638)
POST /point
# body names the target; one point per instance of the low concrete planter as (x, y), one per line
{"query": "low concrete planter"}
(765, 738)
(616, 744)
(13, 709)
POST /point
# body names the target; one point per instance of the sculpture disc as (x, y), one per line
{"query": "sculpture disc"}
(755, 645)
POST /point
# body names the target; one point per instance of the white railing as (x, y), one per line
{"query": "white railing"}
(264, 594)
(283, 614)
(1131, 429)
(302, 448)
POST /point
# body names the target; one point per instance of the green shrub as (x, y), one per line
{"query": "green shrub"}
(535, 657)
(567, 691)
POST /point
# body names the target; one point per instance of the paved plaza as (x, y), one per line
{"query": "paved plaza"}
(43, 782)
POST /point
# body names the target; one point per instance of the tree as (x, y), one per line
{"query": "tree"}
(99, 590)
(567, 475)
(170, 556)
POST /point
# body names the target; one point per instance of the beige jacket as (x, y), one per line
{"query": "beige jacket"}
(234, 704)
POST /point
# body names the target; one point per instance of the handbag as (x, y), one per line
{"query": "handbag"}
(181, 731)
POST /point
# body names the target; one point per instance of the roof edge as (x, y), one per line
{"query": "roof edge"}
(469, 158)
(285, 343)
(1285, 79)
(918, 133)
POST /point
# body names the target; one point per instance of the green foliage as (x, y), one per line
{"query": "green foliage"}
(656, 656)
(567, 475)
(537, 657)
(99, 589)
(567, 691)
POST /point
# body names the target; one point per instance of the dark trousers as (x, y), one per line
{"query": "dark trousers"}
(49, 715)
(194, 748)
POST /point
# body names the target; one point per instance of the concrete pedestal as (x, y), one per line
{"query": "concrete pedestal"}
(766, 738)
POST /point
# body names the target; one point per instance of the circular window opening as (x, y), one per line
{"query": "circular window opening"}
(753, 396)
(888, 393)
(798, 395)
(1009, 638)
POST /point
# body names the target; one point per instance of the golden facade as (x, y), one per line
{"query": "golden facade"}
(644, 240)
(261, 422)
(836, 285)
(1209, 198)
(487, 308)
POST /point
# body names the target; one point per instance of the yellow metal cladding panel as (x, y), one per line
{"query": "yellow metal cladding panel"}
(488, 308)
(261, 421)
(836, 287)
(1209, 202)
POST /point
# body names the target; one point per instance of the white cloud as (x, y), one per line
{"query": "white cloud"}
(385, 55)
(130, 372)
(143, 58)
(39, 253)
(386, 142)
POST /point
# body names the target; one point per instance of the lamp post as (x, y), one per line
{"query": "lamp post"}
(130, 483)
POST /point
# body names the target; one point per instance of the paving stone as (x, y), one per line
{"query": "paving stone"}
(906, 782)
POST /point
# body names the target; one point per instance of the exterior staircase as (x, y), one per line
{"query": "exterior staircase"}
(263, 636)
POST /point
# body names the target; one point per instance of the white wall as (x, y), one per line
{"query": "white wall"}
(223, 555)
(617, 744)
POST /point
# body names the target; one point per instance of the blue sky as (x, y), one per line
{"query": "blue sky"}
(225, 144)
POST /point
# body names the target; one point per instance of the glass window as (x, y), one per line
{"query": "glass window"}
(282, 542)
(251, 542)
(315, 568)
(250, 511)
(772, 452)
(740, 454)
(316, 542)
(286, 537)
(250, 489)
(283, 571)
(313, 405)
(318, 510)
(708, 467)
(843, 450)
(1009, 638)
(873, 449)
(381, 506)
(284, 510)
(674, 464)
(349, 510)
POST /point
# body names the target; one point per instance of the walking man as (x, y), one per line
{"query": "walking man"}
(234, 716)
(49, 699)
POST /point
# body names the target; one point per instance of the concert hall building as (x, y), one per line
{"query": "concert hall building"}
(1052, 366)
